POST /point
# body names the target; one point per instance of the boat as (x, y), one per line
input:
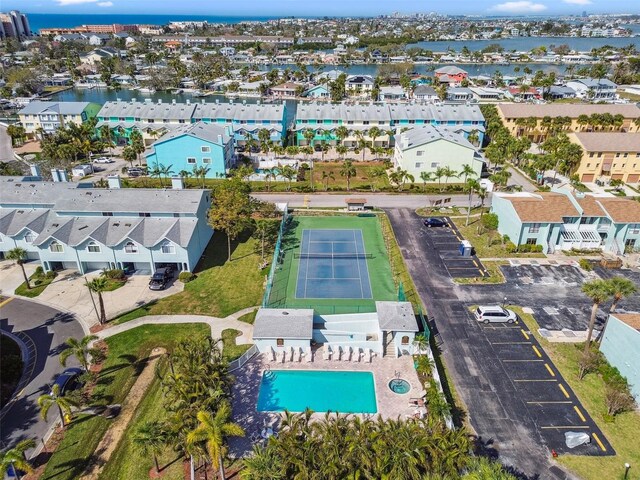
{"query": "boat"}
(146, 90)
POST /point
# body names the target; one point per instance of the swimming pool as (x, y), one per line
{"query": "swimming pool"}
(319, 390)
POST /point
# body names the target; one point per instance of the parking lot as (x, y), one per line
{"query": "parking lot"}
(446, 242)
(539, 386)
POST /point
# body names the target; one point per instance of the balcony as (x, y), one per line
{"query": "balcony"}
(580, 237)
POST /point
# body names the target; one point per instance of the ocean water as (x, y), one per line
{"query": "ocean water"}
(319, 390)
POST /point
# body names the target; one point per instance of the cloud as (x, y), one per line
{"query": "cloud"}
(519, 7)
(105, 4)
(578, 2)
(66, 3)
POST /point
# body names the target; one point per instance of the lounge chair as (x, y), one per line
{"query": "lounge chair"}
(346, 354)
(300, 354)
(273, 354)
(309, 355)
(416, 402)
(367, 354)
(356, 355)
(326, 353)
(284, 356)
(292, 353)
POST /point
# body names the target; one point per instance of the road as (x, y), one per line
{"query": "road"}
(45, 331)
(519, 179)
(380, 200)
(504, 425)
(6, 152)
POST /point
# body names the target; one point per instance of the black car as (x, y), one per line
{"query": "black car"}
(160, 279)
(67, 380)
(434, 222)
(136, 172)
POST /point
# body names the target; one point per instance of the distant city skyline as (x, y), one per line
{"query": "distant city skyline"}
(252, 8)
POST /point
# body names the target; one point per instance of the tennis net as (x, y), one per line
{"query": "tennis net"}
(332, 255)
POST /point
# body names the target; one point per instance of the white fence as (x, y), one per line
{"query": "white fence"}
(244, 358)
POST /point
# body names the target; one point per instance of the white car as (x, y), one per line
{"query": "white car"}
(103, 160)
(493, 314)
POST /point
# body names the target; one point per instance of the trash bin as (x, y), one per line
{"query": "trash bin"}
(465, 248)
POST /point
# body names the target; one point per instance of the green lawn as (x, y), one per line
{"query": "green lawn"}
(125, 361)
(480, 241)
(38, 284)
(283, 292)
(249, 317)
(622, 433)
(113, 284)
(221, 288)
(231, 351)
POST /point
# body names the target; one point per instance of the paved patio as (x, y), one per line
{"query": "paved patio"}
(247, 387)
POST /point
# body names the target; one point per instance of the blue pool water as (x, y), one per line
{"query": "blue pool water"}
(319, 390)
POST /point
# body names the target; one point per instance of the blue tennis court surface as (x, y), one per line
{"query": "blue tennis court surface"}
(333, 264)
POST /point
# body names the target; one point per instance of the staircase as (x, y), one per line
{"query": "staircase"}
(390, 350)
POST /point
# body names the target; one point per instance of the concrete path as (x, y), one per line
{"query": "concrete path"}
(6, 152)
(381, 200)
(11, 275)
(518, 178)
(217, 325)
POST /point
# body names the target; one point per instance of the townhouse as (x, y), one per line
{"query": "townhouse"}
(426, 148)
(196, 145)
(359, 85)
(452, 75)
(582, 117)
(564, 220)
(47, 117)
(597, 90)
(84, 229)
(608, 156)
(226, 40)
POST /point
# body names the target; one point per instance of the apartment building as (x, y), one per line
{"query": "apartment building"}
(608, 156)
(49, 116)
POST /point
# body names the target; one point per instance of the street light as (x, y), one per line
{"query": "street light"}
(504, 301)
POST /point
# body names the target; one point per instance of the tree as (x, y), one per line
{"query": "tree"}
(619, 288)
(326, 176)
(15, 459)
(426, 177)
(201, 173)
(471, 185)
(309, 134)
(17, 133)
(374, 174)
(99, 285)
(266, 231)
(341, 133)
(438, 174)
(20, 256)
(288, 173)
(129, 154)
(400, 176)
(212, 430)
(618, 398)
(79, 349)
(598, 291)
(588, 362)
(151, 438)
(64, 404)
(490, 223)
(467, 171)
(230, 209)
(348, 170)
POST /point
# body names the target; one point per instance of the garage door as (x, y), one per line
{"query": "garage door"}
(587, 177)
(33, 256)
(69, 265)
(142, 268)
(633, 178)
(617, 176)
(93, 266)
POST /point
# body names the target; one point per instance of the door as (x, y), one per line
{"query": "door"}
(587, 177)
(633, 178)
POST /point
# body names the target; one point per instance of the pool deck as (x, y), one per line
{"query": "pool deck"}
(247, 386)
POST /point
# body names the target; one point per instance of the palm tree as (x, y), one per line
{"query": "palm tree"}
(362, 142)
(426, 177)
(165, 171)
(325, 178)
(374, 132)
(213, 430)
(151, 437)
(619, 288)
(467, 171)
(473, 137)
(99, 285)
(375, 173)
(79, 349)
(348, 170)
(64, 404)
(341, 133)
(19, 255)
(201, 173)
(438, 174)
(482, 195)
(598, 291)
(341, 150)
(471, 185)
(309, 134)
(16, 459)
(289, 173)
(448, 173)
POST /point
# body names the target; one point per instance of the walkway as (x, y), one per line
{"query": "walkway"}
(216, 324)
(380, 200)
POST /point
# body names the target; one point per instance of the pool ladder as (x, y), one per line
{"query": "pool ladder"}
(268, 373)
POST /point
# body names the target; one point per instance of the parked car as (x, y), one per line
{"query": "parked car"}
(67, 380)
(160, 279)
(495, 314)
(103, 160)
(136, 172)
(434, 222)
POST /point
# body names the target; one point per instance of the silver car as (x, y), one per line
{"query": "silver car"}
(494, 314)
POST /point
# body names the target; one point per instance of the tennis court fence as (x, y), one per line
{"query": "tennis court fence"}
(277, 258)
(332, 255)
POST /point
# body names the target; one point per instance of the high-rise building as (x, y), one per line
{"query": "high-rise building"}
(14, 25)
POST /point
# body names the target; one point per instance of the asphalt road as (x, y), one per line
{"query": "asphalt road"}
(501, 419)
(44, 331)
(6, 152)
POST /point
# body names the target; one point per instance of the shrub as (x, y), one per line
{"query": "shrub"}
(588, 362)
(618, 399)
(585, 265)
(114, 274)
(510, 247)
(186, 277)
(39, 271)
(50, 275)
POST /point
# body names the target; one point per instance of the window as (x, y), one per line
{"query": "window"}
(29, 237)
(534, 228)
(56, 247)
(531, 241)
(419, 153)
(107, 214)
(418, 164)
(168, 247)
(206, 160)
(191, 160)
(280, 342)
(634, 228)
(93, 247)
(130, 247)
(205, 149)
(405, 340)
(435, 164)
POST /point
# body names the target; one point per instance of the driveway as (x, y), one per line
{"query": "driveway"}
(43, 331)
(504, 425)
(11, 275)
(6, 152)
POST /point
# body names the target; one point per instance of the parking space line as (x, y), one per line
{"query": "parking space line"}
(476, 264)
(551, 372)
(550, 427)
(544, 402)
(575, 407)
(595, 436)
(525, 334)
(566, 394)
(535, 349)
(537, 380)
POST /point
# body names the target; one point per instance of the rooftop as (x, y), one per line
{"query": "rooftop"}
(205, 131)
(423, 134)
(609, 141)
(521, 110)
(631, 319)
(63, 108)
(396, 316)
(283, 323)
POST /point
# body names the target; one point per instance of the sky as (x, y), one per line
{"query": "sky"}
(326, 7)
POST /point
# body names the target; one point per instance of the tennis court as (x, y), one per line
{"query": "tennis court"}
(333, 264)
